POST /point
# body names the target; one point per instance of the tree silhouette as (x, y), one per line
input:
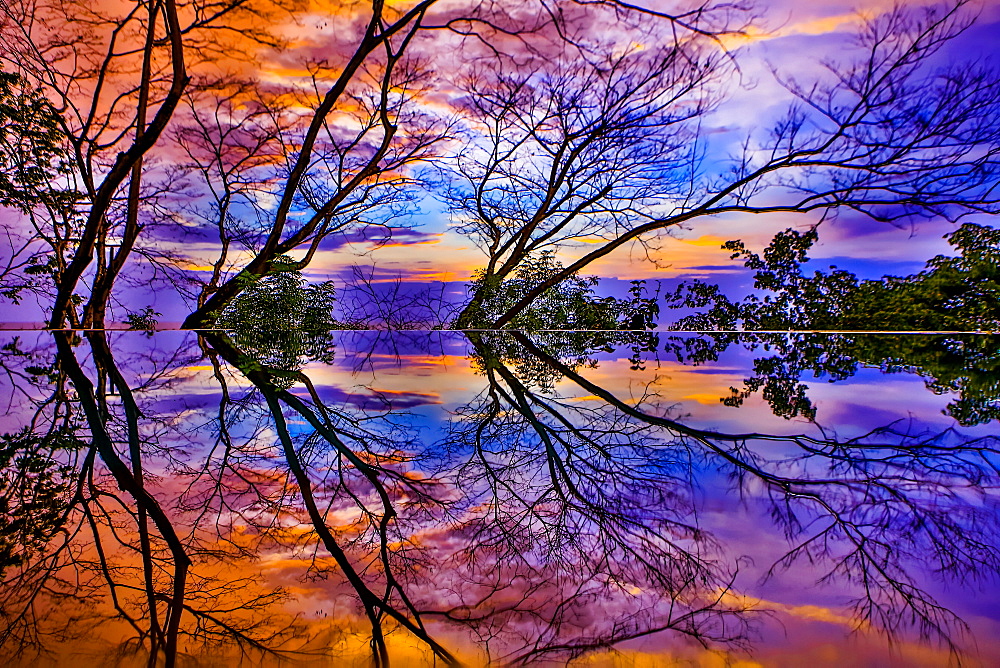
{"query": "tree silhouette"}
(888, 135)
(961, 366)
(547, 497)
(867, 508)
(342, 155)
(96, 544)
(958, 293)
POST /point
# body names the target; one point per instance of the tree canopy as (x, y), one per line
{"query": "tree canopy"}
(952, 293)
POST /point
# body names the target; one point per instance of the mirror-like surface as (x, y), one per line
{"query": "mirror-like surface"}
(429, 498)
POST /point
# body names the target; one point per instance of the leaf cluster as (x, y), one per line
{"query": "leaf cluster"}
(966, 367)
(143, 320)
(281, 321)
(960, 293)
(34, 490)
(33, 154)
(570, 304)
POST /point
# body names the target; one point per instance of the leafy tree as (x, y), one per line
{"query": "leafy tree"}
(570, 304)
(959, 293)
(32, 151)
(568, 318)
(280, 321)
(143, 320)
(34, 171)
(884, 133)
(952, 293)
(964, 368)
(34, 492)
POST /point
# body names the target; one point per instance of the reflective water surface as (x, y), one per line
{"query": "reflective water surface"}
(429, 498)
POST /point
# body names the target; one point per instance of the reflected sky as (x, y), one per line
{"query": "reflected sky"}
(414, 497)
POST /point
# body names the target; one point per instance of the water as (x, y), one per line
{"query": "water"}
(422, 497)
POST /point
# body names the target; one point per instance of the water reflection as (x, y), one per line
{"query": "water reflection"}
(212, 496)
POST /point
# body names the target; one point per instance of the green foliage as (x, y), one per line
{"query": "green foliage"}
(32, 151)
(143, 320)
(952, 293)
(959, 293)
(34, 492)
(571, 304)
(281, 322)
(963, 367)
(35, 166)
(569, 321)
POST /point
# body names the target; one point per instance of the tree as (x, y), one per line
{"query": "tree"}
(104, 69)
(280, 322)
(569, 305)
(888, 135)
(961, 367)
(953, 293)
(546, 496)
(34, 160)
(94, 541)
(34, 491)
(367, 131)
(344, 154)
(560, 136)
(592, 492)
(355, 465)
(341, 164)
(31, 148)
(575, 144)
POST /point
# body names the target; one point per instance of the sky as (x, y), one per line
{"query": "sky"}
(432, 384)
(801, 36)
(422, 242)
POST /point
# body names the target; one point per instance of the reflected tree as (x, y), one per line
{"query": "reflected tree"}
(102, 546)
(548, 497)
(572, 506)
(870, 510)
(281, 322)
(34, 493)
(960, 366)
(361, 475)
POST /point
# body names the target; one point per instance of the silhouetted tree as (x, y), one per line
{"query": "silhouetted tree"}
(608, 148)
(953, 293)
(867, 509)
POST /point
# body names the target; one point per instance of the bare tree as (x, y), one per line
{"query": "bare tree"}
(868, 508)
(97, 543)
(574, 148)
(338, 168)
(115, 76)
(887, 134)
(336, 177)
(342, 154)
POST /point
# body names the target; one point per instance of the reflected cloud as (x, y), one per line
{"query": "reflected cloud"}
(531, 500)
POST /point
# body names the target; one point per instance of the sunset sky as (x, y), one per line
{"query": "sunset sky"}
(791, 38)
(802, 35)
(612, 497)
